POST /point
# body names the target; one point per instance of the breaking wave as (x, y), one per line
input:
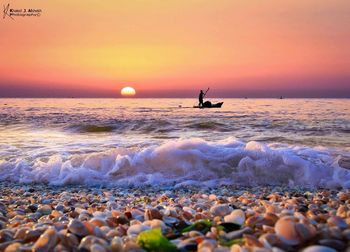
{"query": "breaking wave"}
(188, 162)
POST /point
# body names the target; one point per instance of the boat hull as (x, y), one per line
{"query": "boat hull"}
(210, 105)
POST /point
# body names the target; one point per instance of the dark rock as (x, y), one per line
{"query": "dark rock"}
(122, 220)
(333, 243)
(5, 236)
(33, 208)
(302, 208)
(229, 226)
(188, 247)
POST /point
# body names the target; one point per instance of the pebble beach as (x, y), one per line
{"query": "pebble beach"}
(38, 217)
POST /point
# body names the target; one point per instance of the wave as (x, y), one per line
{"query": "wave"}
(93, 128)
(121, 126)
(207, 125)
(188, 162)
(149, 126)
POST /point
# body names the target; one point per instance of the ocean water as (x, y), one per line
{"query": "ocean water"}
(167, 142)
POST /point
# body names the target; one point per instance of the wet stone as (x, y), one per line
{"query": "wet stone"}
(6, 235)
(333, 243)
(33, 208)
(220, 210)
(78, 228)
(318, 248)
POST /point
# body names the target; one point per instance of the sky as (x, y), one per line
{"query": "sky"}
(165, 48)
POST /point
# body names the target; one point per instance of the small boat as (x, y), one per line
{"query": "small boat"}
(208, 104)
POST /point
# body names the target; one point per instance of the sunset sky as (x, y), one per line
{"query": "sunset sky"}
(165, 48)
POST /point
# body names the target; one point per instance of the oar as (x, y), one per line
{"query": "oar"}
(206, 92)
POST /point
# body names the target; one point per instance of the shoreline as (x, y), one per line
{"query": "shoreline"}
(38, 217)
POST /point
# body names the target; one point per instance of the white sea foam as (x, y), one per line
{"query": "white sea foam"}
(187, 162)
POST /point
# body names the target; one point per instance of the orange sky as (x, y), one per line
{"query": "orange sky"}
(167, 48)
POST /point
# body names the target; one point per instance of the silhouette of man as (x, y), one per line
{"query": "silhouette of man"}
(200, 98)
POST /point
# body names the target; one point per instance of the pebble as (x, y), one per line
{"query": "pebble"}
(338, 222)
(87, 242)
(236, 216)
(46, 241)
(78, 228)
(333, 243)
(14, 247)
(33, 208)
(136, 229)
(318, 248)
(238, 234)
(97, 248)
(285, 229)
(44, 209)
(252, 241)
(151, 214)
(220, 210)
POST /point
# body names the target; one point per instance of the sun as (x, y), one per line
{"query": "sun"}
(128, 91)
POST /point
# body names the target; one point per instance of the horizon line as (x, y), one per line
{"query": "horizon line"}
(179, 97)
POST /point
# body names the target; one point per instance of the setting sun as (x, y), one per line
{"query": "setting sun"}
(128, 91)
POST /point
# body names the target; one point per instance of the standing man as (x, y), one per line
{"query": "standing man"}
(200, 98)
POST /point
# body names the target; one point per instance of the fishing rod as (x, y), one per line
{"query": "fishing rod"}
(206, 92)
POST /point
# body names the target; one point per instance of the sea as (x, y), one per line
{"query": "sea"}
(168, 143)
